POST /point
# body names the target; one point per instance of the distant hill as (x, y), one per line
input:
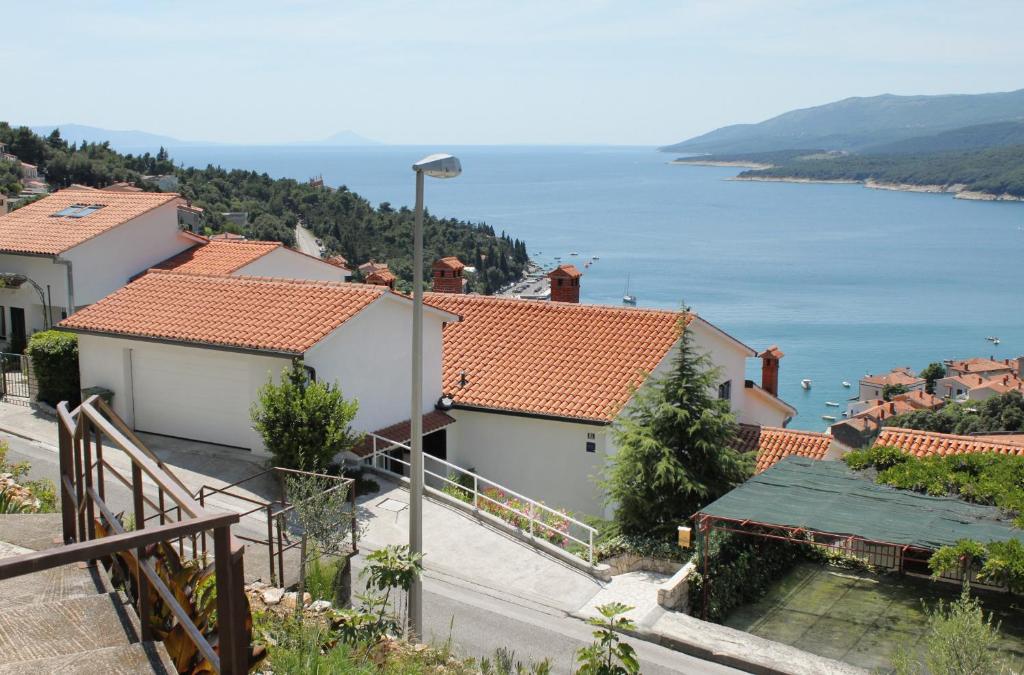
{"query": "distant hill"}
(854, 124)
(133, 140)
(977, 137)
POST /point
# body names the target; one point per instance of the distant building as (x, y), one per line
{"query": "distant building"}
(240, 218)
(985, 367)
(166, 182)
(122, 187)
(382, 277)
(368, 268)
(29, 171)
(228, 236)
(872, 386)
(190, 217)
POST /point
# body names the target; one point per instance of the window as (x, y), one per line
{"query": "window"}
(77, 211)
(725, 390)
(3, 321)
(591, 446)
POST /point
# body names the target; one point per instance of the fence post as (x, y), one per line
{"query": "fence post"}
(229, 619)
(67, 478)
(591, 533)
(145, 604)
(270, 544)
(476, 493)
(355, 523)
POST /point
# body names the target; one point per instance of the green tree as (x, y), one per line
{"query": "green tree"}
(675, 449)
(891, 390)
(931, 373)
(304, 423)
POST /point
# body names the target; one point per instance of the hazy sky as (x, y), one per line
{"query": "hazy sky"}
(471, 71)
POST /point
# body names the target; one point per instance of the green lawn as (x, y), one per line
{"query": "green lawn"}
(858, 617)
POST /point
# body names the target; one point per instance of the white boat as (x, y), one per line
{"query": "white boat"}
(829, 418)
(831, 404)
(996, 341)
(573, 253)
(846, 384)
(805, 383)
(597, 257)
(627, 298)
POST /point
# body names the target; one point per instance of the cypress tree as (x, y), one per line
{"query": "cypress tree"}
(676, 449)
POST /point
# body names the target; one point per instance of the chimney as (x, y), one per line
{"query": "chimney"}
(1020, 366)
(382, 277)
(770, 369)
(447, 275)
(565, 284)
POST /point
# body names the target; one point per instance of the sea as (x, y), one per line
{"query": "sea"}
(845, 280)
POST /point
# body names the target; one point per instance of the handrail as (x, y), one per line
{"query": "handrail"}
(532, 504)
(82, 551)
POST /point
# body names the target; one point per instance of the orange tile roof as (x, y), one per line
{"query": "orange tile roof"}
(979, 365)
(774, 443)
(279, 315)
(927, 443)
(34, 229)
(222, 256)
(895, 376)
(402, 432)
(381, 277)
(449, 263)
(920, 399)
(566, 270)
(887, 409)
(556, 359)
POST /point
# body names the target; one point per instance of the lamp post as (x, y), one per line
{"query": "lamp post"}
(435, 166)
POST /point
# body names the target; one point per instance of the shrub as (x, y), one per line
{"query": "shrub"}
(54, 357)
(517, 512)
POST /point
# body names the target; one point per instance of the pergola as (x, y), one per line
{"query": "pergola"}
(826, 504)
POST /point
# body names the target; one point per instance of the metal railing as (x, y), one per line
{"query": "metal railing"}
(83, 489)
(534, 513)
(17, 381)
(279, 539)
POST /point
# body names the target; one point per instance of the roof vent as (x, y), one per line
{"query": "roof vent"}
(463, 380)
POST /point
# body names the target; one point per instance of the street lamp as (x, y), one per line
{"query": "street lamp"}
(435, 166)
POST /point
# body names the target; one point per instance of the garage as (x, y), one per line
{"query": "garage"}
(199, 394)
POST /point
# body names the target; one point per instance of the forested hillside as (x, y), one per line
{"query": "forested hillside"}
(347, 223)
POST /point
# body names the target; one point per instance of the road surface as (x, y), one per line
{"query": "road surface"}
(478, 619)
(305, 241)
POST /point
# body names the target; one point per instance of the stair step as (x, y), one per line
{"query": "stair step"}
(141, 657)
(61, 583)
(64, 627)
(35, 531)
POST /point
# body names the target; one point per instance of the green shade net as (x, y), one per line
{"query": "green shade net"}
(828, 497)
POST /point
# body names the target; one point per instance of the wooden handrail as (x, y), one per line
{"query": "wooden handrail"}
(92, 549)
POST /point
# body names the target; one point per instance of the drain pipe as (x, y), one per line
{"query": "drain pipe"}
(71, 283)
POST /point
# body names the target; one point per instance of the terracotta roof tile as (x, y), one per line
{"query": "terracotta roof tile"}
(34, 229)
(979, 365)
(774, 443)
(222, 256)
(281, 315)
(449, 263)
(558, 359)
(927, 443)
(920, 399)
(887, 409)
(401, 432)
(903, 376)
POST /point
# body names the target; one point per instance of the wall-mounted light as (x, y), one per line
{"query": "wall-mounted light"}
(444, 403)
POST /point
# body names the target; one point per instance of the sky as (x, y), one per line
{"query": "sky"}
(481, 72)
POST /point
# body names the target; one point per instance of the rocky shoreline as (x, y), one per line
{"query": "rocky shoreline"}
(713, 162)
(958, 190)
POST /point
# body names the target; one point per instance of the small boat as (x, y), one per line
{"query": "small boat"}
(831, 404)
(597, 257)
(996, 341)
(586, 265)
(805, 383)
(573, 253)
(628, 299)
(991, 338)
(829, 418)
(846, 384)
(846, 414)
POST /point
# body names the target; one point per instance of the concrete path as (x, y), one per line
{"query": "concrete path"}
(638, 590)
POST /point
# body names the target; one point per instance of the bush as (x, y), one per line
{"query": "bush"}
(515, 512)
(54, 357)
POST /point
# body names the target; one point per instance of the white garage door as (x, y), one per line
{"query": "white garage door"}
(200, 394)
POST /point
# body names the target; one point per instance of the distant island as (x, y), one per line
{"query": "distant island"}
(968, 145)
(144, 140)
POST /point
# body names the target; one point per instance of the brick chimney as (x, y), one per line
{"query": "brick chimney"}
(382, 277)
(447, 275)
(565, 284)
(770, 369)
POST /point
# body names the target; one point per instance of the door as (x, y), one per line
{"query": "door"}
(197, 394)
(18, 337)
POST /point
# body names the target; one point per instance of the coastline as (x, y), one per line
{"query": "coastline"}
(714, 162)
(958, 190)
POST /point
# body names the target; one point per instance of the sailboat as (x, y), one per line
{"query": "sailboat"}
(628, 299)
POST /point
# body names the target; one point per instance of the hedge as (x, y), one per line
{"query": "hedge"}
(54, 357)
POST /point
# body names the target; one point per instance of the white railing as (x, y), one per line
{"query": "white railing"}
(534, 514)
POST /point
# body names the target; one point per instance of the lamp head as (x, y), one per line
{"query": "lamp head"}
(439, 166)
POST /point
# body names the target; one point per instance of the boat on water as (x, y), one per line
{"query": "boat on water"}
(846, 384)
(573, 253)
(805, 383)
(996, 341)
(831, 404)
(597, 257)
(829, 418)
(627, 298)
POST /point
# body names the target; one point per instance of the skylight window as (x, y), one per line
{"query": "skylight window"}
(77, 211)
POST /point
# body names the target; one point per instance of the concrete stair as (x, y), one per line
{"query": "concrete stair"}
(68, 619)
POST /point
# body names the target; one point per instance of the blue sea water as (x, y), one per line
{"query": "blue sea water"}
(846, 280)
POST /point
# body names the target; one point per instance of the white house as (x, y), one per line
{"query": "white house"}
(536, 387)
(873, 386)
(253, 259)
(185, 354)
(76, 246)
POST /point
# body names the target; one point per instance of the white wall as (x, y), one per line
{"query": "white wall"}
(759, 409)
(289, 264)
(543, 459)
(369, 358)
(195, 399)
(106, 262)
(45, 272)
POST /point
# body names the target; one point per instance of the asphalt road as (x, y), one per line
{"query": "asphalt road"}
(478, 619)
(305, 241)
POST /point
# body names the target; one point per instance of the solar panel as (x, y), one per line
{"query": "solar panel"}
(77, 211)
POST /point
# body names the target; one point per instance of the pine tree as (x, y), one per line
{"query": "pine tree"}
(675, 449)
